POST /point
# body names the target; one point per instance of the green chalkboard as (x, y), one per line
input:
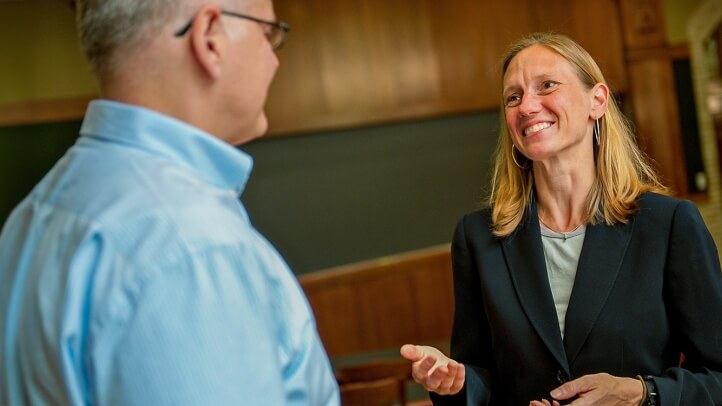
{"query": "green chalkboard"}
(324, 199)
(26, 154)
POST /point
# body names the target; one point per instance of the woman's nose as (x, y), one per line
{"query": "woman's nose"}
(529, 104)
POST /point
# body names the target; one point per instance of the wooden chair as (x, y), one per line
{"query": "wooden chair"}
(380, 392)
(375, 305)
(374, 370)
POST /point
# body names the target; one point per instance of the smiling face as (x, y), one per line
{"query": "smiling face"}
(547, 107)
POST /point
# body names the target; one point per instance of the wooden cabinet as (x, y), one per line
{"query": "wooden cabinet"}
(354, 62)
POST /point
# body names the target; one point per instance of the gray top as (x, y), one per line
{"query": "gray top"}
(561, 254)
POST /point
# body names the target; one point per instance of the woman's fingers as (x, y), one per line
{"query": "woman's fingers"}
(434, 370)
(420, 369)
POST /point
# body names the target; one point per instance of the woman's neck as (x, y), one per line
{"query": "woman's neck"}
(562, 196)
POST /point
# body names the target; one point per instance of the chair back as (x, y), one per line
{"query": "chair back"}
(380, 392)
(375, 370)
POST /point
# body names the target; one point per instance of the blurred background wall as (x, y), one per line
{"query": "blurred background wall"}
(383, 115)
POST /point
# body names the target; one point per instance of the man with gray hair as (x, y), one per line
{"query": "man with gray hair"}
(131, 274)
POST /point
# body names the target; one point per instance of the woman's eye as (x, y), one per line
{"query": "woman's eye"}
(512, 100)
(548, 85)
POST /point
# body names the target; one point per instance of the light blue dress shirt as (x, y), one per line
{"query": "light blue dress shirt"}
(131, 275)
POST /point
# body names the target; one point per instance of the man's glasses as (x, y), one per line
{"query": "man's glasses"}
(275, 30)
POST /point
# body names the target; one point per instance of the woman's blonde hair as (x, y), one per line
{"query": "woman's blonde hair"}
(623, 171)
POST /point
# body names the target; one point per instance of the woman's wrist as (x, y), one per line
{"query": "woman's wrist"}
(650, 396)
(652, 393)
(643, 399)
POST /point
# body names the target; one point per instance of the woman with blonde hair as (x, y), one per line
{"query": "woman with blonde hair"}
(582, 281)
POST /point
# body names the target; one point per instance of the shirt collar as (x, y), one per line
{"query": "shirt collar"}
(217, 161)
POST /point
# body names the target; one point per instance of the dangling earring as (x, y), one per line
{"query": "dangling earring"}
(513, 156)
(595, 131)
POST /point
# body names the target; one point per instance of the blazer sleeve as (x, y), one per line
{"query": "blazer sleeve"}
(470, 337)
(693, 296)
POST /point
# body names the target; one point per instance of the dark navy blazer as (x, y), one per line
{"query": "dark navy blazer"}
(644, 292)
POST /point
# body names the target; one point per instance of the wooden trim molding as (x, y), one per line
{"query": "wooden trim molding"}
(43, 111)
(671, 52)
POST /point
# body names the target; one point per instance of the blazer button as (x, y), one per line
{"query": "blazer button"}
(561, 378)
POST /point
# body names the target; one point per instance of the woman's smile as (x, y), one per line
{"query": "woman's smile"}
(537, 127)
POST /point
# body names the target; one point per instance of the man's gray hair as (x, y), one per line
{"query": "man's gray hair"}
(107, 26)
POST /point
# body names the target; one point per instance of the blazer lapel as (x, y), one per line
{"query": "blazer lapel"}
(525, 261)
(599, 263)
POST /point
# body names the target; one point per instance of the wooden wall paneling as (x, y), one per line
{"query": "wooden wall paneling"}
(295, 96)
(595, 25)
(643, 23)
(469, 39)
(404, 68)
(346, 58)
(656, 119)
(361, 61)
(43, 111)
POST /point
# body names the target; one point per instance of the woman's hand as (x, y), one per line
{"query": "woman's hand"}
(433, 370)
(597, 389)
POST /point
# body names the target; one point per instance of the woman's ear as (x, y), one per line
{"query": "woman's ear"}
(600, 98)
(208, 41)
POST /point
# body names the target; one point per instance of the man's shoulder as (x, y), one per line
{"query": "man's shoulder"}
(135, 201)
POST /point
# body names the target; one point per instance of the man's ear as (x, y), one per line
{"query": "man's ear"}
(208, 41)
(600, 98)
